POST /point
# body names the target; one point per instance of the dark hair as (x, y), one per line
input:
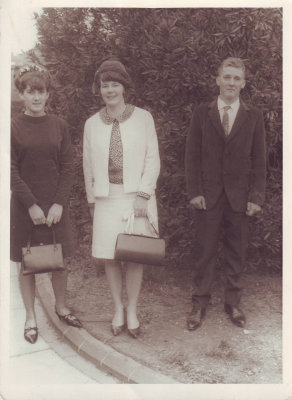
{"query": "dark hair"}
(35, 77)
(111, 70)
(232, 62)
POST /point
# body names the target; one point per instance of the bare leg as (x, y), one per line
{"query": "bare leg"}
(134, 276)
(59, 283)
(27, 288)
(113, 272)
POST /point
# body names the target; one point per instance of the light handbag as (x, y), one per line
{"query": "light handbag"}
(42, 258)
(140, 249)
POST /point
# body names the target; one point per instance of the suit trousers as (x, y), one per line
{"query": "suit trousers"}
(235, 235)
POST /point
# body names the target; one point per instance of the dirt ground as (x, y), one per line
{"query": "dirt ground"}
(218, 352)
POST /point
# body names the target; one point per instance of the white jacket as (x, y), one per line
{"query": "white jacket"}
(141, 162)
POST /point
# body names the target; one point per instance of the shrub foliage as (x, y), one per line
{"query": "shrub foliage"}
(172, 56)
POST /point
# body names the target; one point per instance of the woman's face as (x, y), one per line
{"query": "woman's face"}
(112, 93)
(34, 101)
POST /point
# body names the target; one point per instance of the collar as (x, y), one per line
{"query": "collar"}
(121, 118)
(221, 104)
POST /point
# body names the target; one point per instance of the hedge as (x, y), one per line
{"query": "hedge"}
(172, 56)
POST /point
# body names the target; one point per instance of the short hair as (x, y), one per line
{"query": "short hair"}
(37, 78)
(232, 62)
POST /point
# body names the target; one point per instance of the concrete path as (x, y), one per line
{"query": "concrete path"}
(50, 360)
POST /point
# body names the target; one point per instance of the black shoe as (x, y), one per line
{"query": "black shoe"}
(235, 314)
(70, 319)
(116, 330)
(134, 333)
(31, 334)
(194, 320)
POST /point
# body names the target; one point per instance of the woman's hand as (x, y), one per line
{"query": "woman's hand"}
(37, 215)
(54, 214)
(140, 207)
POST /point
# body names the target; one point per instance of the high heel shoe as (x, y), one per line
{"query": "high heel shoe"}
(31, 334)
(69, 319)
(116, 330)
(134, 333)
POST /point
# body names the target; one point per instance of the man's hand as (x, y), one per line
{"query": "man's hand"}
(199, 202)
(37, 215)
(54, 214)
(140, 207)
(252, 209)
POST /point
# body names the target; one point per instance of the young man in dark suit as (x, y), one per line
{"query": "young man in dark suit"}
(226, 174)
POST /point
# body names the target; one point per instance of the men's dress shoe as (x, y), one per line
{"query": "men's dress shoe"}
(134, 333)
(70, 319)
(31, 334)
(194, 320)
(235, 314)
(116, 330)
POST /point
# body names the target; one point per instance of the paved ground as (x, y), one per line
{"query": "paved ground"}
(52, 362)
(41, 361)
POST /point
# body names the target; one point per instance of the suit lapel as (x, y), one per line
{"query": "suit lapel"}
(239, 120)
(215, 118)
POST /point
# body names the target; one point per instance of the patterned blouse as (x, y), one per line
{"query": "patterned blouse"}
(115, 164)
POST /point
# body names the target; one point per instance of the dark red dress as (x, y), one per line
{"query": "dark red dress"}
(41, 173)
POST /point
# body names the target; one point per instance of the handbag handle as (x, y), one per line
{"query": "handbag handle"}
(130, 223)
(29, 240)
(152, 224)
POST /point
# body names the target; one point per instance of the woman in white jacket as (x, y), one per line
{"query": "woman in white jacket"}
(121, 166)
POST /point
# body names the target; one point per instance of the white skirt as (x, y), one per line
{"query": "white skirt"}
(109, 220)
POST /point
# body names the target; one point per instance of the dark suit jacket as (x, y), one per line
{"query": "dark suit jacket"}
(235, 164)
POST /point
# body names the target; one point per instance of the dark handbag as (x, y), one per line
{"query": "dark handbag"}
(42, 258)
(140, 249)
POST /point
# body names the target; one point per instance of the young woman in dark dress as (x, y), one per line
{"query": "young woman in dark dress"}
(41, 180)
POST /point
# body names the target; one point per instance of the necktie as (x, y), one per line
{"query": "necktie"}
(116, 155)
(225, 120)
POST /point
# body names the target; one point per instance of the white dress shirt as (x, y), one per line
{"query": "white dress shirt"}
(232, 112)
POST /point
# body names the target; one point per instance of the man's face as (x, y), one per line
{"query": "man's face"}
(230, 82)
